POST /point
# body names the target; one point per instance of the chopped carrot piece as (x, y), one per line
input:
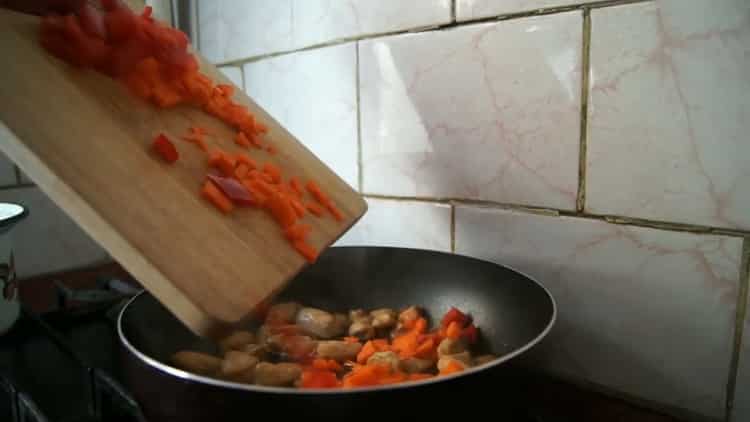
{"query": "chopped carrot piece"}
(350, 339)
(214, 157)
(406, 345)
(245, 159)
(295, 185)
(272, 171)
(453, 331)
(241, 140)
(262, 187)
(226, 164)
(318, 379)
(165, 148)
(260, 127)
(326, 364)
(282, 210)
(241, 171)
(314, 208)
(259, 197)
(318, 194)
(298, 207)
(297, 232)
(426, 350)
(420, 325)
(307, 251)
(334, 212)
(452, 367)
(216, 197)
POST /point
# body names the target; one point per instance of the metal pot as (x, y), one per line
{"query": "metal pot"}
(513, 311)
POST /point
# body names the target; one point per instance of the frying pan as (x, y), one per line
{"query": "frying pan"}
(513, 311)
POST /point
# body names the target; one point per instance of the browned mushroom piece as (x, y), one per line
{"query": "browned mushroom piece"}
(236, 341)
(451, 347)
(358, 314)
(238, 366)
(409, 315)
(384, 358)
(362, 329)
(383, 318)
(261, 335)
(463, 359)
(321, 324)
(291, 345)
(283, 313)
(416, 365)
(483, 359)
(196, 362)
(258, 350)
(277, 375)
(338, 350)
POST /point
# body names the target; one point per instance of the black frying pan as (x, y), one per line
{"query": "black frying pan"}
(513, 312)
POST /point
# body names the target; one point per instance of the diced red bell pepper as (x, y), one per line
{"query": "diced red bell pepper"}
(165, 148)
(470, 333)
(454, 314)
(234, 190)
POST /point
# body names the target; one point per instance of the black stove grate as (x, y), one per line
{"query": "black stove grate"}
(44, 378)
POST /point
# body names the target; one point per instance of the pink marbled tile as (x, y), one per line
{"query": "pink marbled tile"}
(473, 9)
(643, 311)
(405, 224)
(485, 112)
(670, 112)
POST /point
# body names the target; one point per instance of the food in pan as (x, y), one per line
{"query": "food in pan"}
(305, 347)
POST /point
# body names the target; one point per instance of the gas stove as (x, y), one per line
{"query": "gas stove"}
(63, 365)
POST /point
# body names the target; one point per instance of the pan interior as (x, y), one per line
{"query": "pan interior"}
(510, 309)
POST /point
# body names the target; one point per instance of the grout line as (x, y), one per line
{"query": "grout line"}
(582, 149)
(433, 28)
(739, 326)
(453, 228)
(453, 10)
(554, 212)
(360, 175)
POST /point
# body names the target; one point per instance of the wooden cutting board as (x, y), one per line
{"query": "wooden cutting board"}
(84, 139)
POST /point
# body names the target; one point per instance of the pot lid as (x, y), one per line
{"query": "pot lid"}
(10, 214)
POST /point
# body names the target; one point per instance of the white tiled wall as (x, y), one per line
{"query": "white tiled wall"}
(648, 312)
(669, 103)
(447, 128)
(239, 29)
(474, 9)
(420, 225)
(446, 114)
(318, 101)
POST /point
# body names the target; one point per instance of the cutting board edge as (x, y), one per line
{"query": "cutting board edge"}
(105, 235)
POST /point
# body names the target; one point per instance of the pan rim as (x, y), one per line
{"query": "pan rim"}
(215, 382)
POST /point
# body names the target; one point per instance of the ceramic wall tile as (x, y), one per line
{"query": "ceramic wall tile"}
(448, 114)
(48, 240)
(234, 73)
(238, 29)
(7, 171)
(406, 224)
(669, 112)
(644, 311)
(313, 95)
(474, 9)
(317, 21)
